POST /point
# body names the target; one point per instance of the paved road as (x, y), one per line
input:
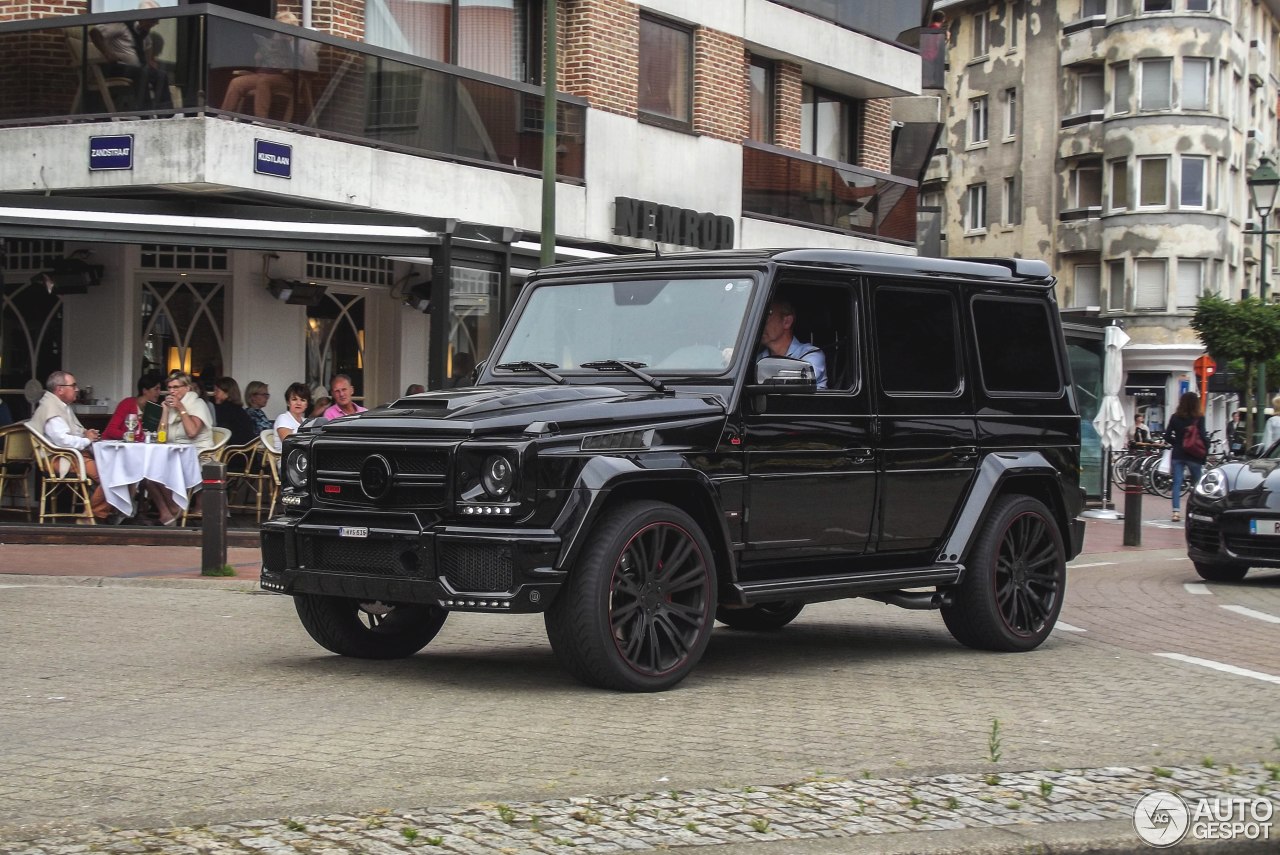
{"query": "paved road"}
(138, 706)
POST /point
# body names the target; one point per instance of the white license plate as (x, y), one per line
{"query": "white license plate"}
(363, 531)
(1264, 526)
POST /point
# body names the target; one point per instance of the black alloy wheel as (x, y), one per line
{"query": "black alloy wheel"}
(368, 630)
(637, 611)
(1015, 580)
(761, 617)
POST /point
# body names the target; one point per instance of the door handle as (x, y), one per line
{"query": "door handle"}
(860, 455)
(967, 452)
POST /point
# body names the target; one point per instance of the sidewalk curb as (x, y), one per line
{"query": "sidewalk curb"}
(240, 583)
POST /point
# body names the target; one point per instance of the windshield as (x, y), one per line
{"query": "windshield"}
(662, 325)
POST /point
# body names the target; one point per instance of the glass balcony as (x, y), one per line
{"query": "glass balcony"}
(206, 61)
(876, 18)
(787, 186)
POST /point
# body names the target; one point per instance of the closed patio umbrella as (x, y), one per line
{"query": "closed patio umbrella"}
(1110, 421)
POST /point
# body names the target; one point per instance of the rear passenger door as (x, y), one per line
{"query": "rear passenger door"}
(924, 399)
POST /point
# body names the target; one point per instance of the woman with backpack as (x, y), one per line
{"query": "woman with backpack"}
(1186, 437)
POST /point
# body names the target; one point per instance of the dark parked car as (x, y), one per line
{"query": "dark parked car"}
(1233, 518)
(629, 466)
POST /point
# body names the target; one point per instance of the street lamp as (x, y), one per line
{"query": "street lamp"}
(1264, 184)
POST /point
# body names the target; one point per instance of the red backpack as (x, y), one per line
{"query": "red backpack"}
(1193, 443)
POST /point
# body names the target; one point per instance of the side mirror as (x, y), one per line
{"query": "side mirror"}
(778, 375)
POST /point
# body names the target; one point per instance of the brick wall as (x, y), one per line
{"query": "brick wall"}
(787, 93)
(342, 18)
(24, 10)
(875, 146)
(600, 56)
(720, 85)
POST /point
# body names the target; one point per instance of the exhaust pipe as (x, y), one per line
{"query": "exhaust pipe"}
(923, 600)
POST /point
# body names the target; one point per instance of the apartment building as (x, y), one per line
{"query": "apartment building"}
(361, 192)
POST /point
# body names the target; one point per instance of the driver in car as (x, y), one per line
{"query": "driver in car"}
(777, 340)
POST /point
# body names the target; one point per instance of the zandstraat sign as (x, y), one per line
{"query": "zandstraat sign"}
(666, 224)
(111, 152)
(272, 158)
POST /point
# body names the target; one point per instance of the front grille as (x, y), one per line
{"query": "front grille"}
(475, 568)
(419, 476)
(1202, 537)
(405, 461)
(1254, 547)
(273, 552)
(372, 557)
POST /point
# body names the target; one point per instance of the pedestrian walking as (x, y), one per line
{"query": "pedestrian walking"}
(1186, 437)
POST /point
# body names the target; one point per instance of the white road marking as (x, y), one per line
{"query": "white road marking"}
(1179, 558)
(1094, 564)
(1248, 612)
(1063, 625)
(1196, 588)
(1222, 666)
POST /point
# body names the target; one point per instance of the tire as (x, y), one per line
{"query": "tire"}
(637, 610)
(368, 630)
(763, 617)
(1159, 483)
(1016, 578)
(1220, 572)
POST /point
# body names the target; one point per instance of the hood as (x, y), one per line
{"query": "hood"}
(1253, 484)
(481, 410)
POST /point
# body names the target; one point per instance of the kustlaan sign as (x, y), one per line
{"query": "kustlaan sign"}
(272, 158)
(666, 224)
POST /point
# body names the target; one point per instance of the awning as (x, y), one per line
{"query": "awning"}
(1146, 384)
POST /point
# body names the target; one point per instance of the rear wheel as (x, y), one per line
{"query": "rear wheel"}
(761, 617)
(1015, 580)
(1220, 572)
(637, 610)
(368, 630)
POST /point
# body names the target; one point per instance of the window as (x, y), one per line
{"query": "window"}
(1011, 113)
(183, 326)
(1124, 8)
(666, 71)
(981, 24)
(1119, 199)
(1115, 286)
(975, 208)
(761, 101)
(1093, 8)
(506, 43)
(1121, 88)
(1153, 182)
(1199, 5)
(1088, 290)
(1090, 92)
(1149, 6)
(1191, 193)
(1012, 17)
(1195, 84)
(335, 340)
(1156, 84)
(916, 337)
(1149, 284)
(978, 120)
(1009, 206)
(828, 125)
(1085, 189)
(1016, 352)
(1190, 282)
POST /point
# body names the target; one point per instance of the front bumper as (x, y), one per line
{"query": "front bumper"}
(1217, 535)
(391, 558)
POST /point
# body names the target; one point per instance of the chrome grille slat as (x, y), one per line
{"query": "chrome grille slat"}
(419, 474)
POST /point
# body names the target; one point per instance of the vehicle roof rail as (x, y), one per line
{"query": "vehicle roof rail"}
(1029, 268)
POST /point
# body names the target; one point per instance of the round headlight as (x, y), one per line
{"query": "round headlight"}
(1213, 485)
(295, 470)
(497, 476)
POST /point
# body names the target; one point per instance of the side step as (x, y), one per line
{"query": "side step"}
(816, 588)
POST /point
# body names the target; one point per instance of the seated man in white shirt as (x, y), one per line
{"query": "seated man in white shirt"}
(55, 419)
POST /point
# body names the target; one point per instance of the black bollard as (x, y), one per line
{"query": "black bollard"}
(213, 523)
(1133, 509)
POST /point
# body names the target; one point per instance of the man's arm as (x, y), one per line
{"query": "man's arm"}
(60, 434)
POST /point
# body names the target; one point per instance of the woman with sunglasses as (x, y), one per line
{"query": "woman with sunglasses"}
(187, 421)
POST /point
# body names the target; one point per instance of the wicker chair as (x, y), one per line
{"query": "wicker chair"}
(17, 465)
(62, 472)
(271, 460)
(215, 454)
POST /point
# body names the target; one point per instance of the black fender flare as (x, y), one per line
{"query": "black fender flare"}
(602, 476)
(996, 470)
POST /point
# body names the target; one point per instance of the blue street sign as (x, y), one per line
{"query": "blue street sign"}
(271, 158)
(113, 152)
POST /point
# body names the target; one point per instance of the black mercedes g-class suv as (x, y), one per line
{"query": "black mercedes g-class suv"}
(635, 465)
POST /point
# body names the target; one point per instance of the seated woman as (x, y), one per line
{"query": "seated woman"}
(148, 393)
(229, 411)
(256, 395)
(187, 421)
(298, 402)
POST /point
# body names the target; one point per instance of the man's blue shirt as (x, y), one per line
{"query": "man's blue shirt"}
(807, 352)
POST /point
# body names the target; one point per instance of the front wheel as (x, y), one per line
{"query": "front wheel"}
(762, 617)
(1220, 572)
(637, 610)
(368, 630)
(1015, 581)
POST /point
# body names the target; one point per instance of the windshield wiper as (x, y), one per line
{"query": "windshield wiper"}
(543, 368)
(632, 368)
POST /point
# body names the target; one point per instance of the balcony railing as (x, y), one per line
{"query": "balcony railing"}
(211, 61)
(881, 20)
(791, 187)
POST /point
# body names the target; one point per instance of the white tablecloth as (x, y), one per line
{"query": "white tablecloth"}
(123, 464)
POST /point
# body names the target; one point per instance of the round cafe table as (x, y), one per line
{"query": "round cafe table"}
(123, 464)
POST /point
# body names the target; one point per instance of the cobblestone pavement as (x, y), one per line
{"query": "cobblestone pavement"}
(159, 706)
(710, 817)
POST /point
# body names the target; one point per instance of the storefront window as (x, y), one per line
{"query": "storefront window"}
(473, 319)
(182, 328)
(30, 341)
(1086, 352)
(335, 341)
